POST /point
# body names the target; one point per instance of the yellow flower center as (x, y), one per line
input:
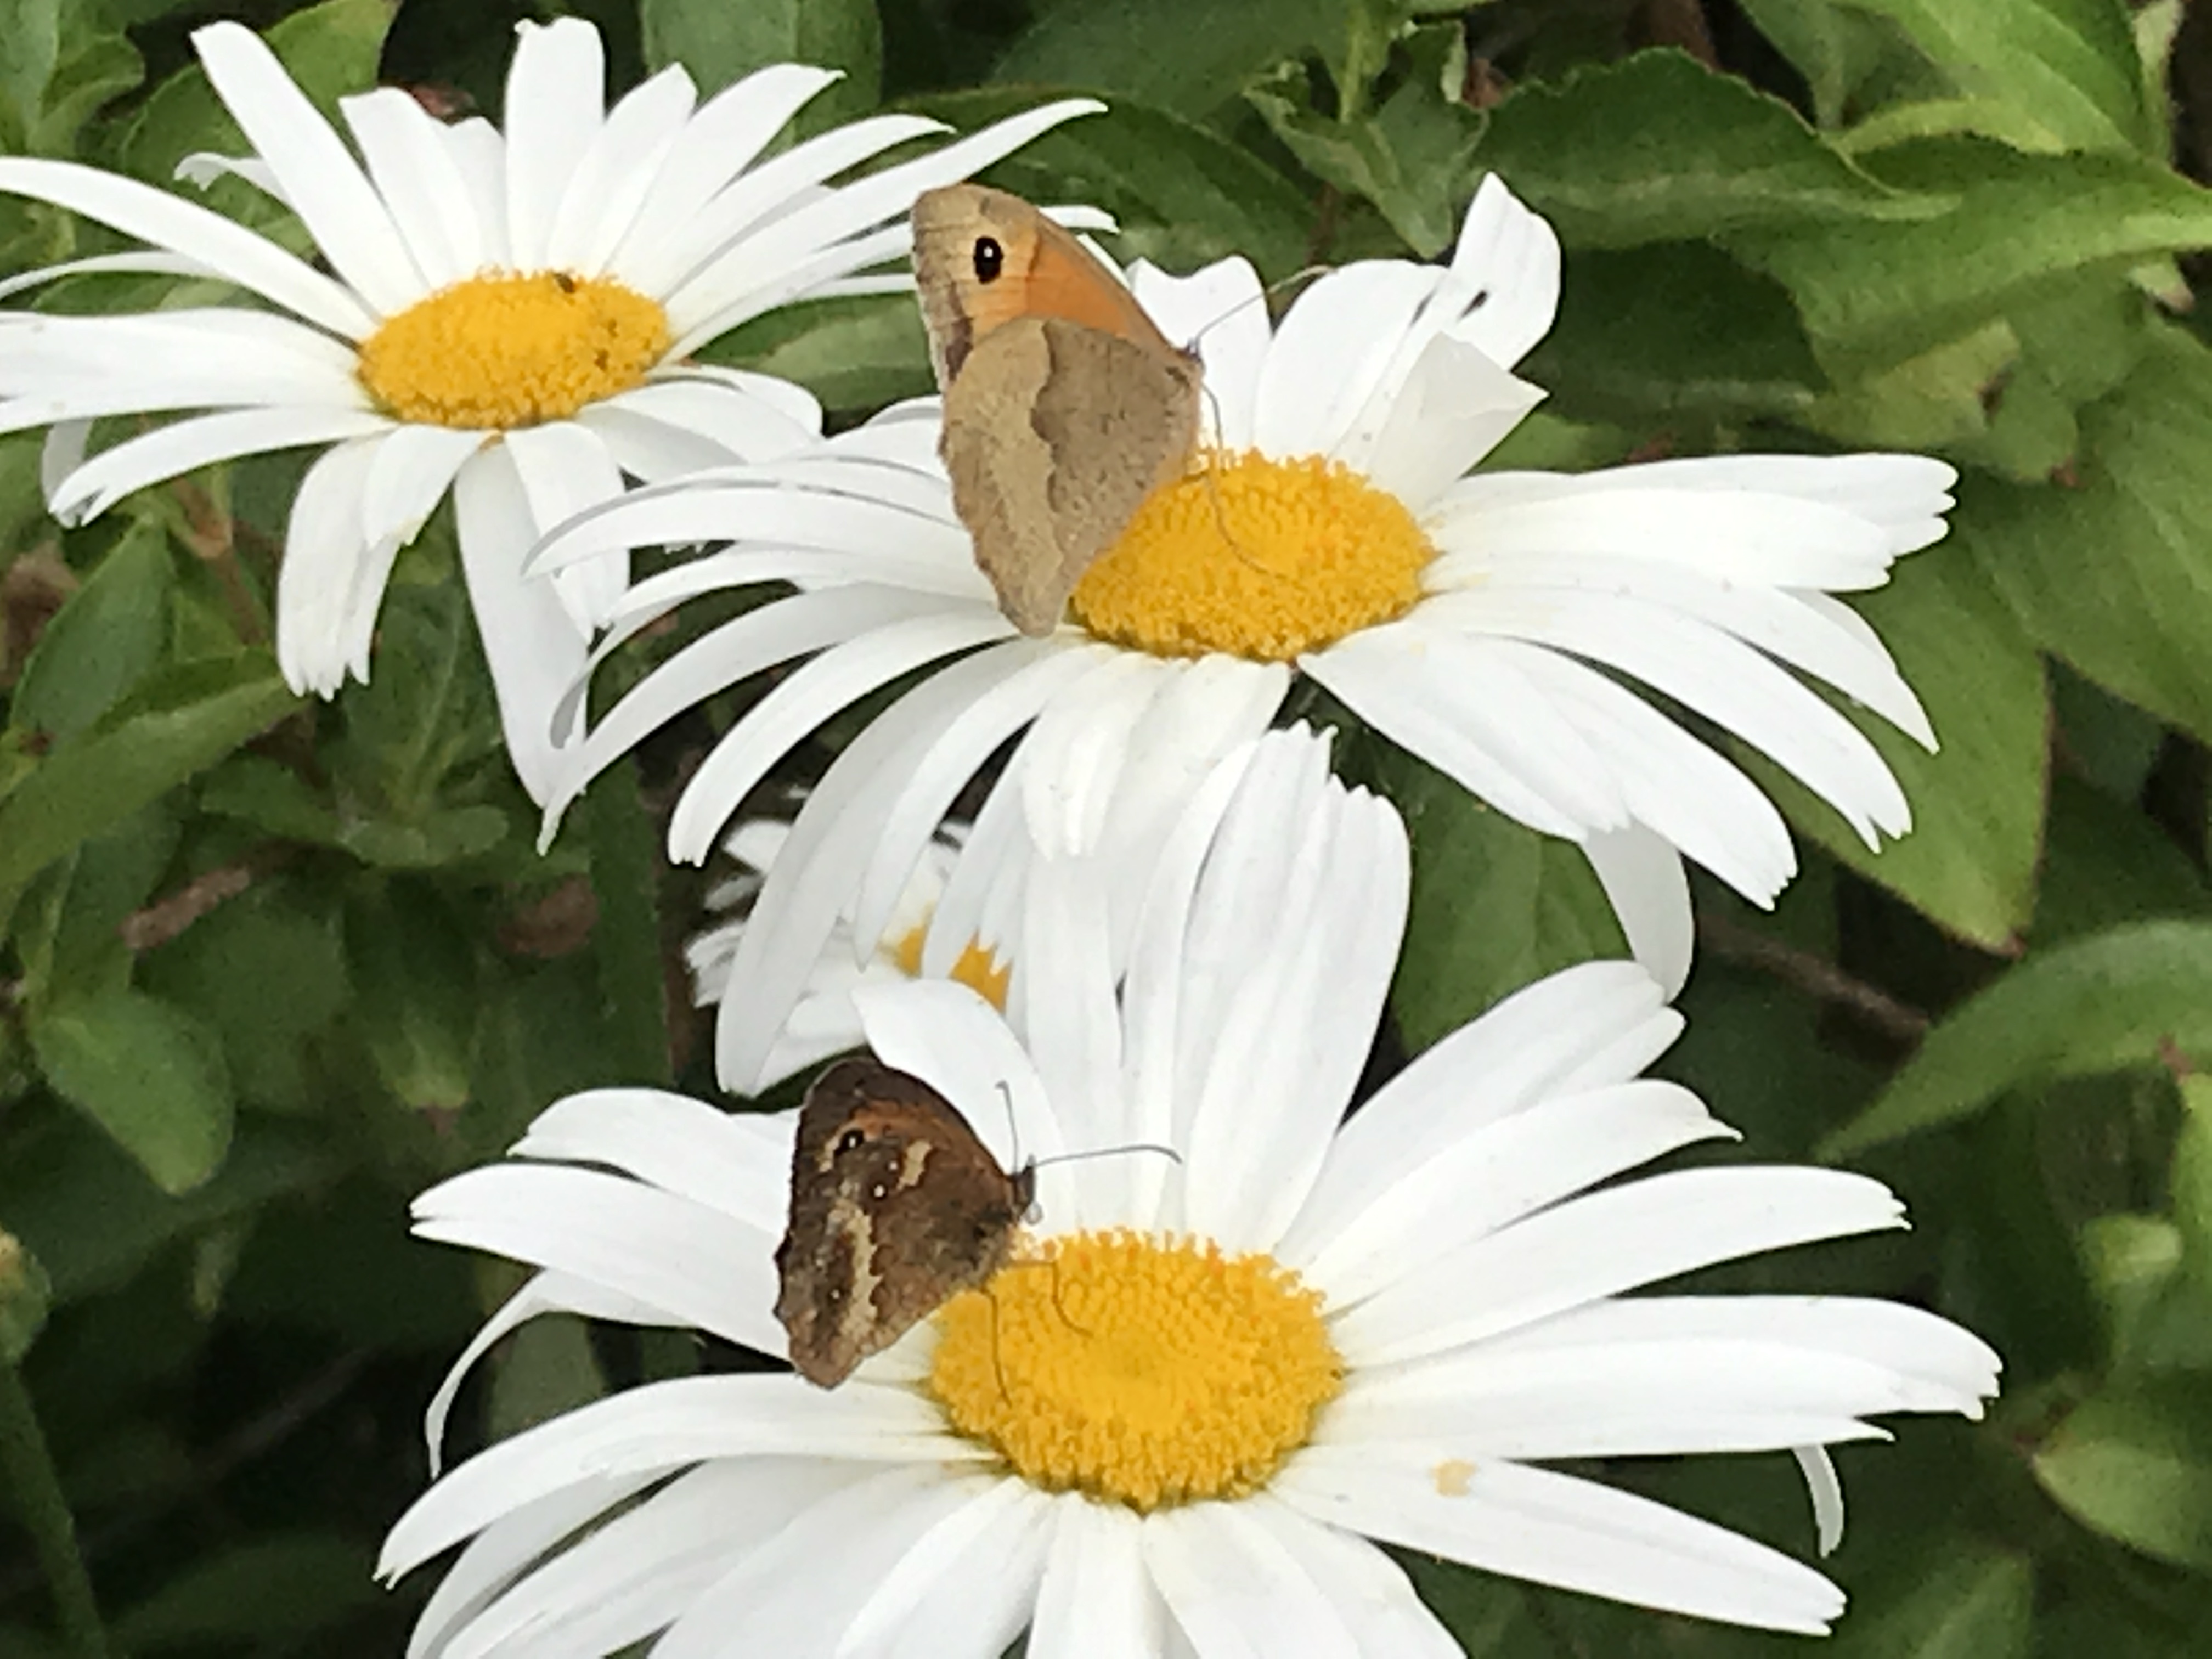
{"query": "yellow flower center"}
(1129, 1368)
(1258, 558)
(977, 969)
(509, 349)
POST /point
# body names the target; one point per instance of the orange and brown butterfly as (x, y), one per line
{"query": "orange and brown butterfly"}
(896, 1208)
(1065, 407)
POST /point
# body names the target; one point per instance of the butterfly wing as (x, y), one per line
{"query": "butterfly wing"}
(896, 1206)
(1055, 433)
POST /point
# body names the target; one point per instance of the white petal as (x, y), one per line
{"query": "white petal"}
(554, 106)
(415, 466)
(1492, 1177)
(478, 150)
(564, 470)
(1096, 1599)
(829, 683)
(415, 170)
(329, 568)
(615, 175)
(503, 1550)
(535, 651)
(1649, 889)
(1332, 351)
(1072, 758)
(1825, 1490)
(796, 1592)
(1062, 998)
(1016, 680)
(544, 1293)
(721, 141)
(743, 427)
(638, 1241)
(665, 1426)
(102, 265)
(1560, 1530)
(737, 1163)
(1368, 1590)
(1538, 1043)
(185, 228)
(321, 181)
(638, 1573)
(1453, 408)
(1511, 257)
(1220, 313)
(110, 476)
(1236, 1588)
(966, 1586)
(1606, 1242)
(818, 875)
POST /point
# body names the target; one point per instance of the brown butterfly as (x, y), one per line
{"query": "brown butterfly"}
(896, 1208)
(1065, 407)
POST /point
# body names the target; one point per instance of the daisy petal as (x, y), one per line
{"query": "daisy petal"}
(326, 558)
(665, 1426)
(564, 469)
(191, 231)
(555, 103)
(627, 1238)
(1649, 888)
(1368, 1590)
(1096, 1599)
(535, 651)
(321, 181)
(416, 171)
(737, 1163)
(1560, 1530)
(1607, 1242)
(614, 176)
(132, 464)
(1235, 1587)
(966, 1585)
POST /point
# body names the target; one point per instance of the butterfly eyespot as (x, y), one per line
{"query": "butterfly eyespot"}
(851, 1141)
(879, 1191)
(990, 258)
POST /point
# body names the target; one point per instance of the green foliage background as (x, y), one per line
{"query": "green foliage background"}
(270, 966)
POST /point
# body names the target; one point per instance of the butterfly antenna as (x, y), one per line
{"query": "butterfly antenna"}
(998, 1364)
(1301, 275)
(1107, 1151)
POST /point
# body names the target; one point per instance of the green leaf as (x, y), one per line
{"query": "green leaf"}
(104, 640)
(330, 50)
(2193, 1179)
(30, 46)
(1969, 859)
(267, 975)
(93, 1219)
(1168, 53)
(2135, 1463)
(857, 353)
(2068, 66)
(1413, 157)
(2105, 864)
(25, 1293)
(180, 723)
(416, 991)
(1672, 332)
(2114, 572)
(1875, 291)
(147, 1073)
(719, 43)
(1495, 906)
(1183, 195)
(2117, 1000)
(1833, 47)
(1659, 148)
(238, 1597)
(1968, 1601)
(548, 1368)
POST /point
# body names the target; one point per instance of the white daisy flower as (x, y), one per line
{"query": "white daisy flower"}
(1485, 622)
(509, 314)
(1239, 1370)
(825, 1021)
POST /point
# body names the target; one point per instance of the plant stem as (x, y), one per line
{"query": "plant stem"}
(29, 1466)
(626, 941)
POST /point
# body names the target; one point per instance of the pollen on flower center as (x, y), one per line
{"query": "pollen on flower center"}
(1129, 1368)
(510, 348)
(978, 967)
(1259, 558)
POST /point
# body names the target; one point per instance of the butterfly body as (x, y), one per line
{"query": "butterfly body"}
(1065, 407)
(895, 1207)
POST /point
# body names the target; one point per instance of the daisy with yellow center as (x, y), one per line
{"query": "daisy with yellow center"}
(509, 314)
(1183, 1418)
(824, 1021)
(1499, 625)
